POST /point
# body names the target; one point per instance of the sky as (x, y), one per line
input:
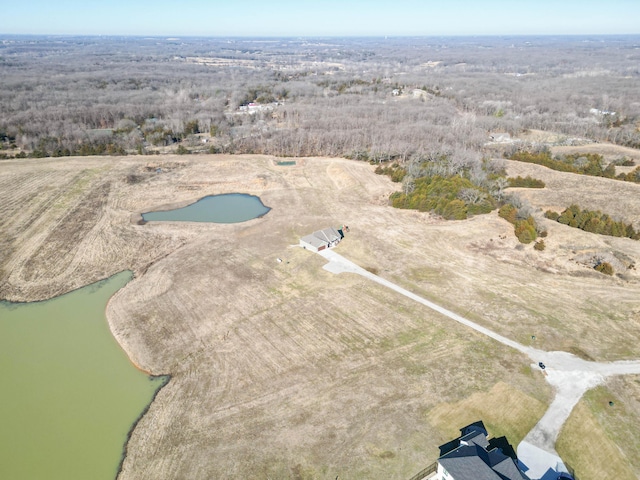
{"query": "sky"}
(312, 18)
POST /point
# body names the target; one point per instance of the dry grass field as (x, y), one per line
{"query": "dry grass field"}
(283, 370)
(601, 439)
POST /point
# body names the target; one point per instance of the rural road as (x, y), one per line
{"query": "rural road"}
(570, 376)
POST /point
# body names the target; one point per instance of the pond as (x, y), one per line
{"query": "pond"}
(226, 208)
(70, 395)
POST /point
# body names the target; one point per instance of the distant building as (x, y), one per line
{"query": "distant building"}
(321, 239)
(254, 107)
(595, 111)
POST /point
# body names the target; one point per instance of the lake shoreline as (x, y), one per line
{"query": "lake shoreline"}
(125, 447)
(93, 399)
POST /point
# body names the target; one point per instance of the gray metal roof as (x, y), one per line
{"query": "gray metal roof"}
(329, 234)
(314, 241)
(322, 238)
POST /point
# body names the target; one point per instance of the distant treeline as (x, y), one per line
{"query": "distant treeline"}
(370, 99)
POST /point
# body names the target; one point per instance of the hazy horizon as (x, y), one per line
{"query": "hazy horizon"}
(330, 18)
(270, 38)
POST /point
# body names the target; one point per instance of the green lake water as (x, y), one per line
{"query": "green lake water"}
(226, 208)
(69, 395)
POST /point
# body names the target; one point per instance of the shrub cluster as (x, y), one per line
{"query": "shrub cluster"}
(455, 198)
(593, 221)
(394, 171)
(526, 182)
(605, 268)
(543, 158)
(525, 229)
(586, 164)
(509, 212)
(624, 162)
(632, 176)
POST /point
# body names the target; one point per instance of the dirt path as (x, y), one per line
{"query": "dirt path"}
(570, 376)
(339, 264)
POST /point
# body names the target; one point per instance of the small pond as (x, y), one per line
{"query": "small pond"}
(226, 208)
(70, 395)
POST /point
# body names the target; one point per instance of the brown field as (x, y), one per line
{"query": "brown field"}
(597, 434)
(283, 370)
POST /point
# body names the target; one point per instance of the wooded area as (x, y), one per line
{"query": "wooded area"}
(370, 99)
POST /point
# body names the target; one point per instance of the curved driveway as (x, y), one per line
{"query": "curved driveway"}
(570, 376)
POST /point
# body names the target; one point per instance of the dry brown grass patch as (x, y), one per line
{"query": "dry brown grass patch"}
(504, 409)
(619, 419)
(585, 446)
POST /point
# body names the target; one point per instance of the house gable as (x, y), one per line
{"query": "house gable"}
(471, 459)
(321, 239)
(313, 243)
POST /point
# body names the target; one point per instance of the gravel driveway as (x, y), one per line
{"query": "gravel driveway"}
(570, 376)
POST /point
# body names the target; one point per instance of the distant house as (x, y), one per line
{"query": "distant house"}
(475, 458)
(595, 111)
(472, 456)
(254, 107)
(503, 137)
(321, 239)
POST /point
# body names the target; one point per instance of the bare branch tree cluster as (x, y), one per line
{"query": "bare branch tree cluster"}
(370, 99)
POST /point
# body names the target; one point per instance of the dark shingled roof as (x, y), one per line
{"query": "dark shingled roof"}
(475, 437)
(471, 460)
